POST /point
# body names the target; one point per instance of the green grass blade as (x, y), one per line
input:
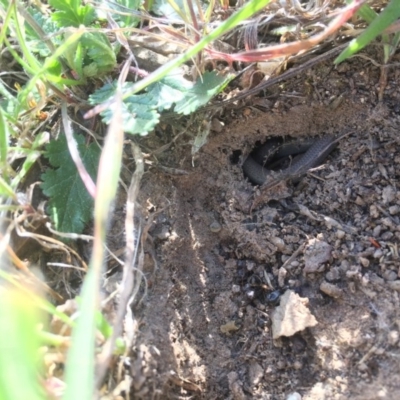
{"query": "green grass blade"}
(79, 373)
(6, 20)
(42, 73)
(390, 14)
(366, 13)
(4, 135)
(19, 347)
(80, 363)
(6, 190)
(33, 63)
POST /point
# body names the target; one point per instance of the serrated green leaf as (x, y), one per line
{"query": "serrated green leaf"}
(104, 93)
(169, 90)
(99, 50)
(139, 112)
(72, 13)
(70, 204)
(389, 15)
(205, 88)
(90, 70)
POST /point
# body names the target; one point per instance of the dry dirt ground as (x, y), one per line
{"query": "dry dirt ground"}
(332, 240)
(206, 324)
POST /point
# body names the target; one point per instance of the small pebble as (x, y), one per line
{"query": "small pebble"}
(164, 234)
(388, 194)
(393, 210)
(235, 288)
(393, 337)
(373, 211)
(333, 274)
(331, 290)
(377, 231)
(386, 235)
(340, 234)
(389, 275)
(394, 285)
(364, 262)
(278, 242)
(215, 227)
(344, 266)
(250, 265)
(293, 396)
(388, 222)
(377, 280)
(294, 264)
(297, 365)
(359, 201)
(378, 253)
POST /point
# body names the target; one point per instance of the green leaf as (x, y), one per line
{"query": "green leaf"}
(99, 51)
(139, 112)
(389, 15)
(169, 90)
(81, 355)
(366, 13)
(205, 88)
(72, 13)
(70, 204)
(91, 56)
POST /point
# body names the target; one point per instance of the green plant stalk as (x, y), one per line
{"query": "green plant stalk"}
(31, 60)
(21, 61)
(79, 374)
(247, 11)
(4, 138)
(50, 339)
(201, 13)
(208, 13)
(56, 80)
(26, 166)
(6, 189)
(3, 30)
